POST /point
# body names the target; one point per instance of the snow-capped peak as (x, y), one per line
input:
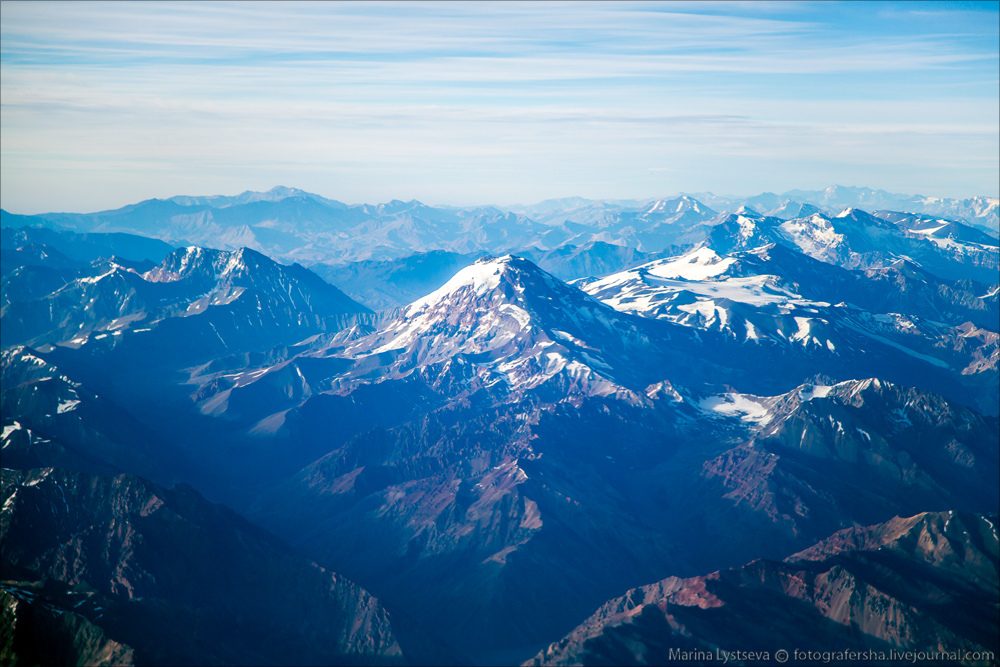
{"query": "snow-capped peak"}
(481, 277)
(673, 207)
(210, 264)
(698, 264)
(514, 323)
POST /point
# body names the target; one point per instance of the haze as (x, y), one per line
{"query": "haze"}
(106, 104)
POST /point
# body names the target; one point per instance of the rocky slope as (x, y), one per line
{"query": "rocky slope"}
(925, 584)
(823, 457)
(175, 579)
(38, 626)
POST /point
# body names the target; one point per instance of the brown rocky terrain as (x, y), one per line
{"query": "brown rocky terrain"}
(927, 583)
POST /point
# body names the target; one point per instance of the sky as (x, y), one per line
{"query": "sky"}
(107, 104)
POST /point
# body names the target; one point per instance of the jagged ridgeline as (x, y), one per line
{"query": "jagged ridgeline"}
(579, 432)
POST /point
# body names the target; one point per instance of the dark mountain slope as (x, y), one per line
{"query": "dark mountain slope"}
(178, 579)
(86, 247)
(50, 419)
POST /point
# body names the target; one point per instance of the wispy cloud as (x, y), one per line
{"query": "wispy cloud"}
(490, 101)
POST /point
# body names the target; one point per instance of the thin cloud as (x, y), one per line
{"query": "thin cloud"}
(447, 94)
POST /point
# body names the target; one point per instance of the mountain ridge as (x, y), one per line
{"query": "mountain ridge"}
(855, 595)
(299, 226)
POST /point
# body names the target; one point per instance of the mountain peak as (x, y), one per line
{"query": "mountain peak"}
(676, 206)
(698, 264)
(284, 190)
(516, 323)
(481, 276)
(277, 193)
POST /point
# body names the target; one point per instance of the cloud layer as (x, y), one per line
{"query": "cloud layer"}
(106, 104)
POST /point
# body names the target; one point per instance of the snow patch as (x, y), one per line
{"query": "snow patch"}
(733, 404)
(803, 332)
(809, 392)
(42, 475)
(696, 265)
(7, 430)
(97, 278)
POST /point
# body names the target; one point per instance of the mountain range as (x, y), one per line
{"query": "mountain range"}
(296, 226)
(580, 432)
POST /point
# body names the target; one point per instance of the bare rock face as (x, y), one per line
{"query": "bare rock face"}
(927, 583)
(34, 630)
(126, 563)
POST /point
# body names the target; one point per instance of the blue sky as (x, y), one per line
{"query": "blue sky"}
(105, 104)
